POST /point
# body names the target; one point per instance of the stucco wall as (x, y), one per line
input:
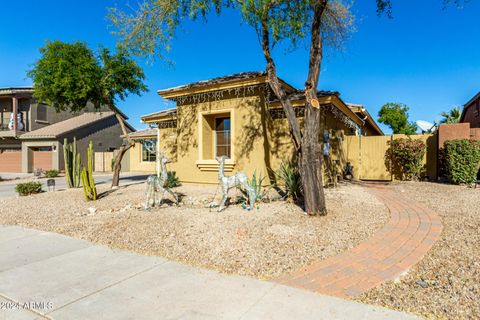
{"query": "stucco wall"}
(195, 162)
(168, 138)
(259, 142)
(452, 132)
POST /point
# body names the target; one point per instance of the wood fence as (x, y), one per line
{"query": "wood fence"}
(103, 161)
(367, 155)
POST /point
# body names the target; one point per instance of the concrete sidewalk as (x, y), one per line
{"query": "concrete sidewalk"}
(49, 276)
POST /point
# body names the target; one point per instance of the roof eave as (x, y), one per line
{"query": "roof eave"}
(26, 137)
(180, 91)
(175, 92)
(17, 90)
(153, 119)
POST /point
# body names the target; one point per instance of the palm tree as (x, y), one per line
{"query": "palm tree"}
(453, 116)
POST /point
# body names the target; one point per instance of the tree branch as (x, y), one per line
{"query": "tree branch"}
(278, 89)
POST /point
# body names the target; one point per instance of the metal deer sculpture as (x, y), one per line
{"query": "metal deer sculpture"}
(237, 180)
(158, 184)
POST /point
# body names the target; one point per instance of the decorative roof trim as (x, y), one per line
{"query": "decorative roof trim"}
(168, 114)
(220, 83)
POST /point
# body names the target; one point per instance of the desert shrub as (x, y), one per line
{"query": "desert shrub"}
(404, 158)
(255, 183)
(51, 173)
(172, 180)
(462, 161)
(27, 188)
(290, 176)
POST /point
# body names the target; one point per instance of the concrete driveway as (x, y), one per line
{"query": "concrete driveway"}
(7, 188)
(50, 276)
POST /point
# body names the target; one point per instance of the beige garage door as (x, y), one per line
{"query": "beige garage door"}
(10, 161)
(42, 160)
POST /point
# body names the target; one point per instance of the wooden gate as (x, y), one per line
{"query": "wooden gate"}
(103, 161)
(372, 158)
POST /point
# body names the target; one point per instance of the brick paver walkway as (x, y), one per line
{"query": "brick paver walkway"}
(403, 241)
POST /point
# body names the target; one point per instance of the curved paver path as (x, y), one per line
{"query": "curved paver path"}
(403, 241)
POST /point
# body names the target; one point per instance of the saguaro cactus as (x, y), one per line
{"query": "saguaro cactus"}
(87, 177)
(72, 163)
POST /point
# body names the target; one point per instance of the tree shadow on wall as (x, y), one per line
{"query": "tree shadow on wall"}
(258, 124)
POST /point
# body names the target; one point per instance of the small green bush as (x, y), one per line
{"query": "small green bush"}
(51, 173)
(172, 180)
(462, 161)
(28, 188)
(404, 158)
(290, 175)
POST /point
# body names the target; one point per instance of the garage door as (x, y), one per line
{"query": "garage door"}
(42, 160)
(10, 161)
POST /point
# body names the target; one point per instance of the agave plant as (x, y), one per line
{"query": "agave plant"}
(256, 183)
(290, 176)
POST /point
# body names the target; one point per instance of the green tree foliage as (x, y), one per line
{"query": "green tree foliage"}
(451, 117)
(148, 29)
(68, 75)
(395, 115)
(462, 161)
(404, 158)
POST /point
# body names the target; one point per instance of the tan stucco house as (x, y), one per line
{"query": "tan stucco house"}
(238, 117)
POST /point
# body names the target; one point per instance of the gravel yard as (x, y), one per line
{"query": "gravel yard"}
(446, 283)
(264, 243)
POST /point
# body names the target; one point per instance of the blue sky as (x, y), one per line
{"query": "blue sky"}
(426, 57)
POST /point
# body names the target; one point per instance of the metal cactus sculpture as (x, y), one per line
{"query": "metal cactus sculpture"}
(87, 177)
(72, 163)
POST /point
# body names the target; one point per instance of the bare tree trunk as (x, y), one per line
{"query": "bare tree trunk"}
(308, 146)
(127, 144)
(312, 156)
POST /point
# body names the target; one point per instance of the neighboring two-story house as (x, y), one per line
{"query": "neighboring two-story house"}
(471, 112)
(35, 140)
